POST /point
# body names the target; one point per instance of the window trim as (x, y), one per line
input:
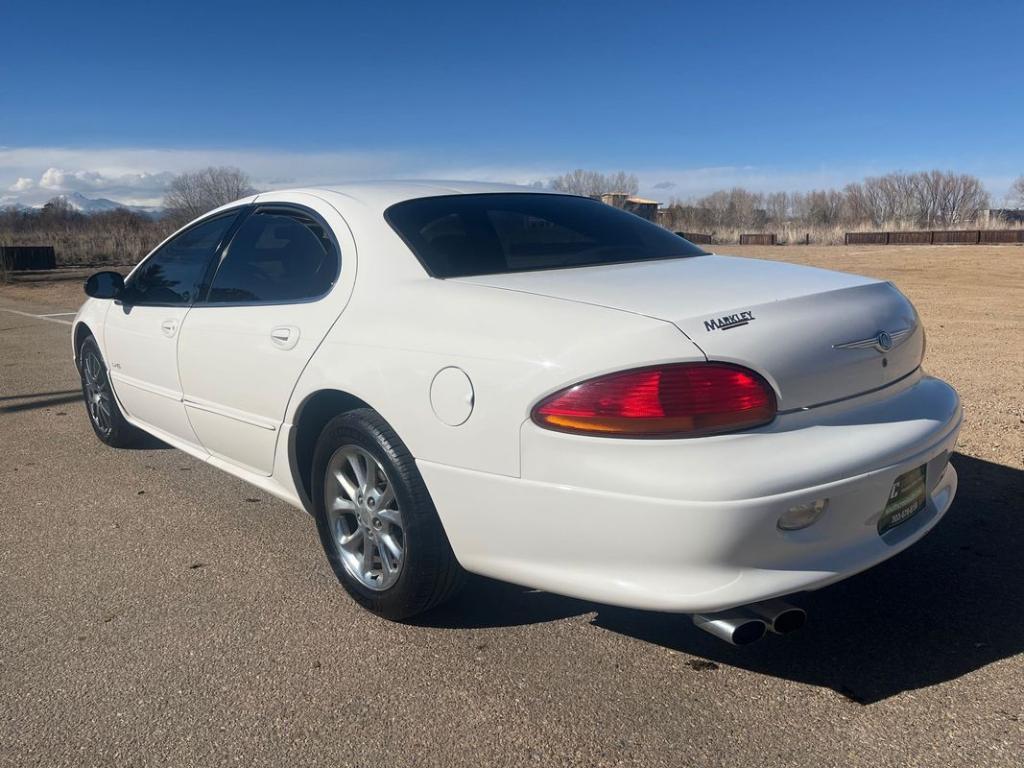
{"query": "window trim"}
(239, 212)
(222, 253)
(430, 273)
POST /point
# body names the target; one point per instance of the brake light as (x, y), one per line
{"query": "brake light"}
(676, 400)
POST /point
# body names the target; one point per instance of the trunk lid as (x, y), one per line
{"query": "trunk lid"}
(813, 333)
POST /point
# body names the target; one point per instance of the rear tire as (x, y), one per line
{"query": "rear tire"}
(105, 415)
(376, 520)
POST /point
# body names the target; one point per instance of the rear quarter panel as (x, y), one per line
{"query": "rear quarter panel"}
(391, 342)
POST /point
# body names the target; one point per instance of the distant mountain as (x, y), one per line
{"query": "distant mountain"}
(8, 204)
(88, 205)
(76, 201)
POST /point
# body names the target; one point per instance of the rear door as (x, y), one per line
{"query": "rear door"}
(276, 293)
(142, 329)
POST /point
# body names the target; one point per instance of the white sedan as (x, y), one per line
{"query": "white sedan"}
(532, 386)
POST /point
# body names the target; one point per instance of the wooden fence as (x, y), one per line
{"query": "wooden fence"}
(20, 257)
(761, 239)
(937, 237)
(1000, 236)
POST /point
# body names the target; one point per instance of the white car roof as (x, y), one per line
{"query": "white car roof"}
(380, 195)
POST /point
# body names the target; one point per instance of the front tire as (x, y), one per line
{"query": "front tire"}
(105, 415)
(376, 520)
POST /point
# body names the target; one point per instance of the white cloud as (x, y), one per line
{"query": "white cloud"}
(140, 176)
(60, 180)
(138, 188)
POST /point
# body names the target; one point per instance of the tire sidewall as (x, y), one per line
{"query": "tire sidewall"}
(91, 348)
(122, 434)
(357, 428)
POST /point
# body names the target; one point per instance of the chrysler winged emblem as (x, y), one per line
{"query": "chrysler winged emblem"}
(883, 341)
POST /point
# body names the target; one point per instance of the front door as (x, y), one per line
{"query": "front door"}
(270, 304)
(142, 329)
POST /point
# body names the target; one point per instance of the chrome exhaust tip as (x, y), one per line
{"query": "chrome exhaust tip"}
(737, 626)
(781, 617)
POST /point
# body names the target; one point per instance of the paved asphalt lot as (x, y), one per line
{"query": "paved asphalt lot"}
(154, 611)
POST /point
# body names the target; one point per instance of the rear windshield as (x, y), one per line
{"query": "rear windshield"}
(461, 235)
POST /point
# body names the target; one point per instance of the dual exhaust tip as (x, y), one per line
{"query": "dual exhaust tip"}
(749, 623)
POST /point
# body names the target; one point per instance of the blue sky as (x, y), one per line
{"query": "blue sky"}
(112, 98)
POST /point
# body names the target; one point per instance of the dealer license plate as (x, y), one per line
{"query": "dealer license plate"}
(906, 499)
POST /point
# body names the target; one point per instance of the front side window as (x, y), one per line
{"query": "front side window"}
(277, 255)
(174, 274)
(461, 235)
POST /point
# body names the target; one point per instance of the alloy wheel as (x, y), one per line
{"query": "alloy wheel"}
(98, 397)
(364, 518)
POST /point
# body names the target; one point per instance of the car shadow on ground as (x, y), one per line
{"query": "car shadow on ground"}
(56, 393)
(149, 443)
(36, 401)
(943, 608)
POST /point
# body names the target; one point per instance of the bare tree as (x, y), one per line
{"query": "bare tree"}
(59, 209)
(898, 200)
(777, 207)
(823, 207)
(193, 194)
(926, 199)
(959, 198)
(736, 207)
(593, 183)
(620, 181)
(1017, 191)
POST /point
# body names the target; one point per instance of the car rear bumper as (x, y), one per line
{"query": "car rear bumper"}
(584, 521)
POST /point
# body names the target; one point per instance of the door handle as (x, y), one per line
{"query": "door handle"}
(169, 327)
(284, 336)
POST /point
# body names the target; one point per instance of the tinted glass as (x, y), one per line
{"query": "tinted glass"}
(173, 275)
(460, 235)
(276, 256)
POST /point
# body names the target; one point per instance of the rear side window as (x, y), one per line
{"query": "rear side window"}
(174, 274)
(277, 255)
(461, 235)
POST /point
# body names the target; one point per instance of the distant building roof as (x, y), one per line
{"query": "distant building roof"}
(638, 205)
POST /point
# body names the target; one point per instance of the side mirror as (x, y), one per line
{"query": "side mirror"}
(105, 285)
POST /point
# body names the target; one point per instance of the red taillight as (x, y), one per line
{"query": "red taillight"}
(679, 400)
